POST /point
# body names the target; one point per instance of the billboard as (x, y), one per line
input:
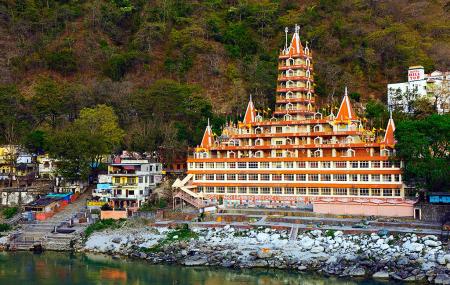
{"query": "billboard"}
(416, 73)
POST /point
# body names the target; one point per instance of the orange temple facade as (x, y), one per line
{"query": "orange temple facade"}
(299, 158)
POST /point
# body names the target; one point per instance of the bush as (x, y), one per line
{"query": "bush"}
(119, 64)
(8, 213)
(103, 225)
(4, 227)
(63, 61)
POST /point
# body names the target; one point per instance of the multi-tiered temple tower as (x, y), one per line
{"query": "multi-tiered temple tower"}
(298, 158)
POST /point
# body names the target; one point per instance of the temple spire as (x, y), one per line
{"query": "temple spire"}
(207, 140)
(296, 45)
(250, 113)
(389, 138)
(286, 30)
(345, 112)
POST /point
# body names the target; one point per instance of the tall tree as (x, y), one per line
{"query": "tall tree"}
(424, 146)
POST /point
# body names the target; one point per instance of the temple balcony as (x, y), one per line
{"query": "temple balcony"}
(295, 78)
(295, 66)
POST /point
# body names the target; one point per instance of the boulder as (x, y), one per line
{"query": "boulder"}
(442, 279)
(381, 275)
(317, 249)
(307, 242)
(196, 261)
(431, 243)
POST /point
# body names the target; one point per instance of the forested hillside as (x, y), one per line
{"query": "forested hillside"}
(165, 66)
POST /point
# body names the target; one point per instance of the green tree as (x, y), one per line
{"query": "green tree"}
(423, 108)
(48, 100)
(376, 114)
(424, 146)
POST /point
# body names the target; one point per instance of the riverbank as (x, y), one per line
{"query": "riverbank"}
(399, 257)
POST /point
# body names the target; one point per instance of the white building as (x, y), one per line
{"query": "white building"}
(435, 86)
(129, 182)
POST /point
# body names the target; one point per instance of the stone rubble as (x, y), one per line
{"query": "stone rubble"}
(407, 258)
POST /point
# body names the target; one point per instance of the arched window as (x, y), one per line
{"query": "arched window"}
(288, 153)
(317, 128)
(259, 142)
(308, 62)
(318, 116)
(385, 152)
(258, 130)
(231, 154)
(290, 61)
(259, 118)
(287, 117)
(273, 119)
(308, 84)
(289, 95)
(288, 141)
(290, 72)
(309, 106)
(290, 83)
(349, 139)
(308, 96)
(259, 153)
(318, 153)
(289, 106)
(308, 73)
(350, 152)
(318, 140)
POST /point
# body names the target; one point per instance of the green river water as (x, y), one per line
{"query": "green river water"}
(24, 268)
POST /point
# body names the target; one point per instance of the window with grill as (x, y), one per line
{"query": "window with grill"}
(253, 190)
(265, 190)
(289, 164)
(289, 191)
(397, 192)
(301, 164)
(265, 177)
(364, 164)
(253, 165)
(364, 191)
(313, 164)
(301, 177)
(220, 189)
(253, 177)
(231, 190)
(199, 164)
(231, 176)
(276, 190)
(210, 165)
(387, 178)
(276, 177)
(220, 176)
(397, 177)
(220, 164)
(353, 177)
(200, 189)
(209, 189)
(198, 177)
(313, 177)
(340, 164)
(364, 177)
(277, 165)
(289, 177)
(300, 191)
(242, 177)
(279, 129)
(354, 164)
(376, 164)
(242, 164)
(326, 164)
(325, 177)
(375, 192)
(242, 190)
(387, 164)
(387, 192)
(209, 176)
(264, 164)
(375, 177)
(340, 191)
(326, 191)
(231, 164)
(313, 191)
(354, 191)
(340, 177)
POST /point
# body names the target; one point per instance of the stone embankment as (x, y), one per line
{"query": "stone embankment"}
(406, 257)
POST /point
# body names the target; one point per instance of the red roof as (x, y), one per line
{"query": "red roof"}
(389, 138)
(346, 111)
(250, 113)
(296, 45)
(207, 139)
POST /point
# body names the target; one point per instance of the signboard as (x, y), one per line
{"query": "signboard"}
(416, 74)
(435, 199)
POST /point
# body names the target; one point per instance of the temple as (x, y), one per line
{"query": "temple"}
(299, 157)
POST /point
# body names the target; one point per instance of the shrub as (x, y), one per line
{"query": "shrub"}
(103, 225)
(4, 227)
(120, 63)
(8, 213)
(63, 61)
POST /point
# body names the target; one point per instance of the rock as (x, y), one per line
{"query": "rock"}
(338, 233)
(262, 237)
(195, 261)
(431, 243)
(316, 233)
(374, 237)
(184, 252)
(403, 261)
(175, 237)
(441, 260)
(302, 267)
(307, 242)
(381, 275)
(384, 246)
(317, 249)
(116, 240)
(331, 260)
(413, 246)
(442, 279)
(357, 271)
(264, 253)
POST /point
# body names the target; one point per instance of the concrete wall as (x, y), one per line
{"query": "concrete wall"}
(115, 215)
(364, 210)
(433, 212)
(16, 198)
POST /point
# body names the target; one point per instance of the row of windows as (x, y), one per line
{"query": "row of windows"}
(296, 164)
(300, 177)
(302, 191)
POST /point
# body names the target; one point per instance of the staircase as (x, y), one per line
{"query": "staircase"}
(184, 193)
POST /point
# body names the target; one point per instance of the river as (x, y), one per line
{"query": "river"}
(24, 268)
